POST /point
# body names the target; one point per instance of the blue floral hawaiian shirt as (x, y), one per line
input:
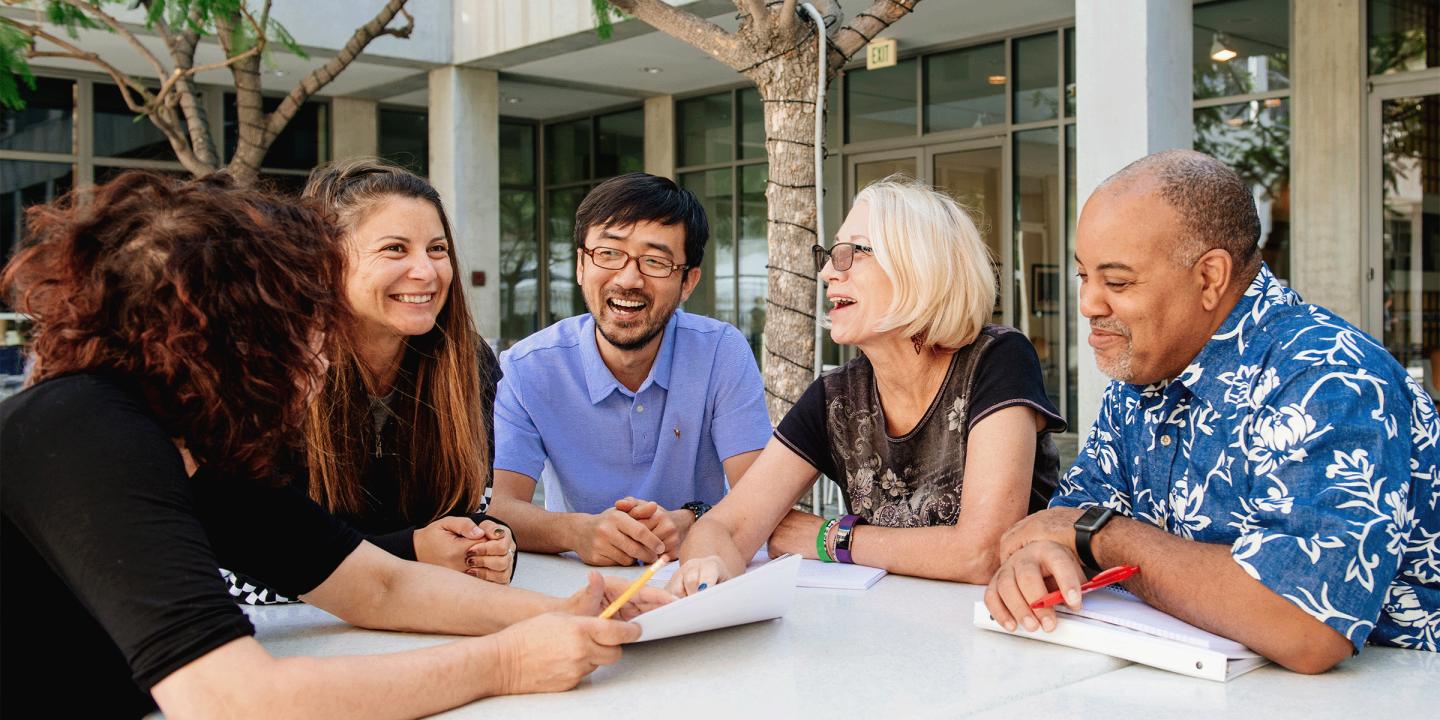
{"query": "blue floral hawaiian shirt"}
(1297, 440)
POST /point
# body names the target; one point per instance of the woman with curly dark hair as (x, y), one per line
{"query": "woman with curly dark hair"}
(181, 329)
(399, 439)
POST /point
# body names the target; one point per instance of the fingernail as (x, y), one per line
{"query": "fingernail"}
(1048, 623)
(499, 532)
(1072, 596)
(704, 585)
(1010, 625)
(1030, 624)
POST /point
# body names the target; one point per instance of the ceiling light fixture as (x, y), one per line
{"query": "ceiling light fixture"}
(1220, 50)
(513, 100)
(996, 79)
(652, 70)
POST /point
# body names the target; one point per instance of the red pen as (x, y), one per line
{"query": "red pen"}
(1107, 577)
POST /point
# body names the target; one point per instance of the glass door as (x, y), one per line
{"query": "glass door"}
(1404, 226)
(974, 175)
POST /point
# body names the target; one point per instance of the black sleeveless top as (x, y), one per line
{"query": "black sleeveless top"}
(914, 480)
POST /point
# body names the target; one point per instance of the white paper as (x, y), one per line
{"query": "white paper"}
(813, 573)
(1118, 607)
(762, 594)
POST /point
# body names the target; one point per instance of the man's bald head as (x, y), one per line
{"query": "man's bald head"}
(1215, 207)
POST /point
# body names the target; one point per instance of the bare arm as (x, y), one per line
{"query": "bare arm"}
(730, 534)
(994, 497)
(1197, 582)
(609, 538)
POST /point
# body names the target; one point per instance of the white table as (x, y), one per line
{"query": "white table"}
(905, 648)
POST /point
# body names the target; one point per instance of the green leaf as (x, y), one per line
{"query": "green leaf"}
(14, 68)
(277, 32)
(605, 17)
(71, 18)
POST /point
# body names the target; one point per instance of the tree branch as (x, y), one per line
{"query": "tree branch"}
(121, 30)
(687, 27)
(849, 39)
(788, 17)
(182, 47)
(321, 76)
(759, 17)
(128, 86)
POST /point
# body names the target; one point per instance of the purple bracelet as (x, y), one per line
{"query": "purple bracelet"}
(843, 537)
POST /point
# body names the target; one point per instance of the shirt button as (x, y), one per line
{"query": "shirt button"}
(1165, 440)
(639, 408)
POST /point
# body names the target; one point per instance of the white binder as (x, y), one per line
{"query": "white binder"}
(1119, 624)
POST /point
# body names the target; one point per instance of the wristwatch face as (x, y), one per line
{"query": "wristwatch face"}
(1092, 519)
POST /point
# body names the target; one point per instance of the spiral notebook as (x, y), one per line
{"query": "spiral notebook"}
(1117, 623)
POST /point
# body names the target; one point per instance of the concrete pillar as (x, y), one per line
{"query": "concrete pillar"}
(355, 124)
(465, 168)
(1132, 68)
(660, 136)
(1327, 155)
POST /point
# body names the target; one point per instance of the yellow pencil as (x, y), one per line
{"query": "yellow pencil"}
(634, 588)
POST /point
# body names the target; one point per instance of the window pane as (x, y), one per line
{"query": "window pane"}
(303, 144)
(284, 183)
(104, 174)
(517, 154)
(1072, 283)
(752, 123)
(567, 152)
(1037, 61)
(121, 133)
(705, 131)
(1411, 235)
(620, 143)
(405, 139)
(754, 255)
(973, 178)
(880, 103)
(45, 125)
(1404, 35)
(715, 295)
(1254, 139)
(564, 296)
(519, 265)
(22, 184)
(1069, 72)
(1038, 282)
(965, 88)
(1241, 46)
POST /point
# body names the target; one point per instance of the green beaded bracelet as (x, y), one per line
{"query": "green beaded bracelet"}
(820, 539)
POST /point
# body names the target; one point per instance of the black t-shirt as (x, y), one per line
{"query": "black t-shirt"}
(838, 426)
(110, 579)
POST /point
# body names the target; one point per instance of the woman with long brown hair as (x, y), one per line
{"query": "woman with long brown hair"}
(399, 439)
(180, 330)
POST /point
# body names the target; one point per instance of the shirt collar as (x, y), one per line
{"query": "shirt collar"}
(600, 382)
(1205, 375)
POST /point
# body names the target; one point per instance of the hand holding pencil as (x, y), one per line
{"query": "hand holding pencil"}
(604, 591)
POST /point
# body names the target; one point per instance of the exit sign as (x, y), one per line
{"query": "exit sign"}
(880, 54)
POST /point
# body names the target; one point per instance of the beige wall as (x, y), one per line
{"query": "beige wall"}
(1327, 150)
(356, 127)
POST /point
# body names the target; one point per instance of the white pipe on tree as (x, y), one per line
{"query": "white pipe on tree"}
(820, 66)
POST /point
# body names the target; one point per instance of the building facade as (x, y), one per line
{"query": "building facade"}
(1330, 109)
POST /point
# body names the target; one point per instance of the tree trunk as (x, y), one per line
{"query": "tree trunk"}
(787, 89)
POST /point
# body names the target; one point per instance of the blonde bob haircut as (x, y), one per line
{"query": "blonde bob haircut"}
(944, 287)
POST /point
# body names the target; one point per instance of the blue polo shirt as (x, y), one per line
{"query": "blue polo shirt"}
(562, 417)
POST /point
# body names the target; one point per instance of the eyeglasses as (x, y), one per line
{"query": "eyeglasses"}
(842, 255)
(655, 266)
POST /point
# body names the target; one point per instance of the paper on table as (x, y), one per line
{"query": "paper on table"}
(1118, 607)
(763, 594)
(813, 573)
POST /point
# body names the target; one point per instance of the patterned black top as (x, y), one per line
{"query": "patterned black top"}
(914, 480)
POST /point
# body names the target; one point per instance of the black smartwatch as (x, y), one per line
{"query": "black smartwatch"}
(1085, 528)
(697, 507)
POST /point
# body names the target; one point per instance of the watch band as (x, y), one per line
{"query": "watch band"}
(697, 507)
(845, 535)
(1085, 528)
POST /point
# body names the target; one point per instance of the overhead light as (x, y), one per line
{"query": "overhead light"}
(1220, 50)
(1272, 102)
(1237, 121)
(996, 79)
(652, 70)
(513, 100)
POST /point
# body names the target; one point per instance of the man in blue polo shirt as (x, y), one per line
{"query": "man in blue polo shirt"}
(636, 413)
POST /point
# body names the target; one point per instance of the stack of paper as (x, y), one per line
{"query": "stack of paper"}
(764, 594)
(1117, 623)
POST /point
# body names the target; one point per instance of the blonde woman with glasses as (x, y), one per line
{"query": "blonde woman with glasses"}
(909, 283)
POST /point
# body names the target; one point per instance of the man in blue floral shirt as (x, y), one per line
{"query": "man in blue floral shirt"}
(1268, 466)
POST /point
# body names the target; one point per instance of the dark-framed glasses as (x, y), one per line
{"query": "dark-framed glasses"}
(656, 266)
(841, 255)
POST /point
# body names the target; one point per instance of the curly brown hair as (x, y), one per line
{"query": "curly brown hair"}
(206, 295)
